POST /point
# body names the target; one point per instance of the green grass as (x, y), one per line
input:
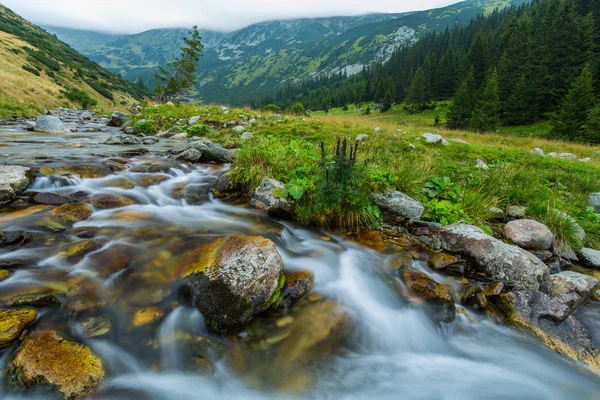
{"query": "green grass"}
(396, 158)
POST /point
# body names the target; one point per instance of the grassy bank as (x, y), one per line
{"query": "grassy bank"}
(395, 157)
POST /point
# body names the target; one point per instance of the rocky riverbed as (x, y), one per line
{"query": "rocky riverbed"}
(117, 257)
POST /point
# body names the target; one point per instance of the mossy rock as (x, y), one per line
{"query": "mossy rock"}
(122, 183)
(435, 294)
(232, 280)
(82, 171)
(4, 274)
(147, 316)
(38, 300)
(297, 285)
(12, 324)
(45, 358)
(77, 251)
(110, 201)
(151, 180)
(72, 213)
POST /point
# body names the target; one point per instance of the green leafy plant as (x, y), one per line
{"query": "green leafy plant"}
(145, 127)
(198, 130)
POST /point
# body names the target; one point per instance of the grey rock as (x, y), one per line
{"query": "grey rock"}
(52, 199)
(516, 212)
(543, 255)
(399, 205)
(277, 116)
(594, 201)
(497, 213)
(50, 124)
(553, 155)
(190, 155)
(149, 140)
(498, 260)
(239, 129)
(377, 129)
(130, 130)
(193, 120)
(223, 186)
(232, 280)
(361, 137)
(263, 197)
(118, 119)
(435, 139)
(590, 258)
(585, 160)
(537, 150)
(121, 139)
(572, 289)
(529, 234)
(180, 136)
(87, 115)
(549, 320)
(212, 152)
(459, 141)
(14, 179)
(480, 164)
(568, 156)
(247, 135)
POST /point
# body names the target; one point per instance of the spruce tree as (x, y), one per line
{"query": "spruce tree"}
(570, 119)
(486, 114)
(461, 109)
(592, 126)
(477, 59)
(519, 109)
(178, 76)
(387, 101)
(418, 93)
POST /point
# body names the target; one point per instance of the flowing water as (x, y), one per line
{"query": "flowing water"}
(395, 350)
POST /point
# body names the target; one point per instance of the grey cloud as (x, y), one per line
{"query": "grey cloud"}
(130, 16)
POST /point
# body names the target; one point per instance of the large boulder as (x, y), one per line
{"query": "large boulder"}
(590, 258)
(233, 279)
(212, 152)
(594, 201)
(264, 197)
(498, 260)
(529, 234)
(50, 124)
(121, 139)
(12, 324)
(14, 179)
(549, 320)
(399, 205)
(190, 155)
(573, 289)
(436, 295)
(45, 358)
(118, 119)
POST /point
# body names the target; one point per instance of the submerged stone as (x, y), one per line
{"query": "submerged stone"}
(45, 358)
(12, 324)
(435, 294)
(110, 201)
(72, 213)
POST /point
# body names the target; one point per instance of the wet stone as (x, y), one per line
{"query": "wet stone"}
(297, 285)
(52, 199)
(34, 300)
(436, 295)
(110, 201)
(71, 213)
(12, 324)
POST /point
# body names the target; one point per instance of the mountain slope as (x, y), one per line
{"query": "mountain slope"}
(243, 65)
(36, 69)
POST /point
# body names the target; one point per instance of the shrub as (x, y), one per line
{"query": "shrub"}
(81, 97)
(274, 108)
(298, 109)
(145, 127)
(31, 69)
(101, 90)
(198, 130)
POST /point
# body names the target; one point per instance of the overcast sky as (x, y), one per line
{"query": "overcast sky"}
(132, 16)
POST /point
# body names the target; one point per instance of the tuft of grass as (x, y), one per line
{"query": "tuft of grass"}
(565, 229)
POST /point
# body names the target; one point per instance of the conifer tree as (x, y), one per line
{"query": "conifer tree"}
(519, 108)
(461, 110)
(477, 59)
(486, 114)
(592, 126)
(178, 76)
(418, 96)
(387, 101)
(570, 119)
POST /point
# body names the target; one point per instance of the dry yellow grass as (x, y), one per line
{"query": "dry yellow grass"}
(39, 92)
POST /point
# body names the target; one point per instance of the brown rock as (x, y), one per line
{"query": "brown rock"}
(297, 285)
(12, 324)
(434, 293)
(109, 201)
(71, 213)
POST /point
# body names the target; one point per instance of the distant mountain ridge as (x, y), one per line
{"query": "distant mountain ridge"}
(240, 66)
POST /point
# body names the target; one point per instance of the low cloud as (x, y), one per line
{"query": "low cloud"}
(131, 16)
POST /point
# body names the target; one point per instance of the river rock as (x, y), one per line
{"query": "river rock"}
(72, 213)
(264, 197)
(435, 294)
(549, 320)
(212, 152)
(122, 139)
(50, 124)
(498, 260)
(109, 201)
(594, 201)
(149, 140)
(14, 179)
(399, 205)
(516, 212)
(46, 358)
(223, 186)
(118, 119)
(111, 260)
(12, 324)
(86, 115)
(529, 234)
(573, 289)
(233, 279)
(435, 139)
(52, 199)
(590, 258)
(190, 155)
(297, 284)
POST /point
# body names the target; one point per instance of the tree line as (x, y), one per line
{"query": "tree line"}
(517, 66)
